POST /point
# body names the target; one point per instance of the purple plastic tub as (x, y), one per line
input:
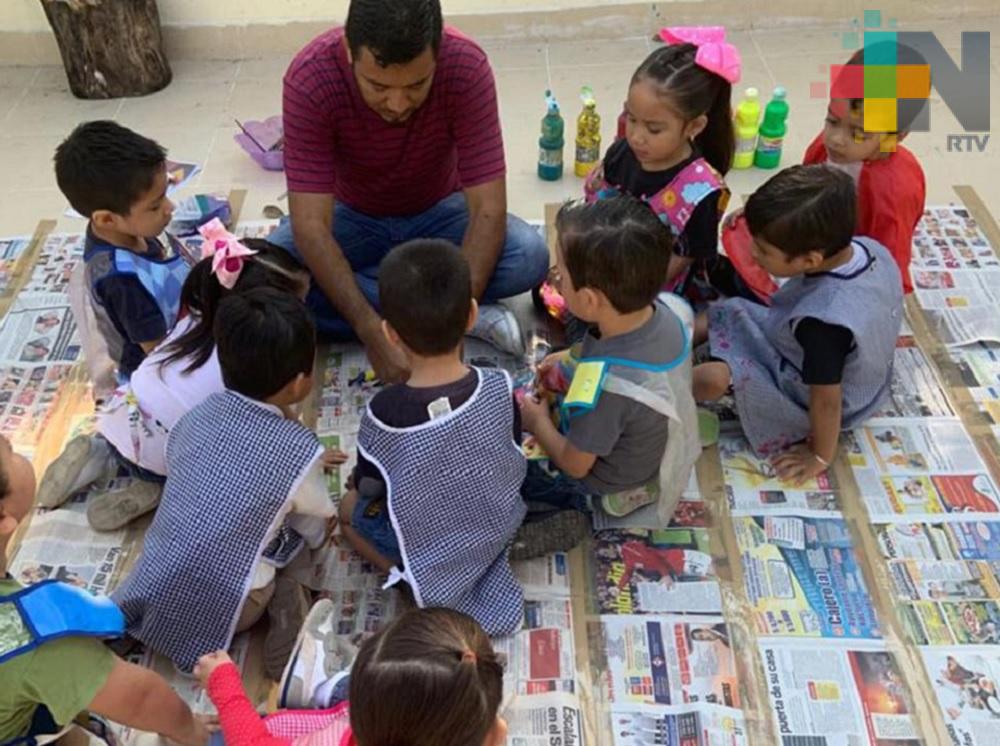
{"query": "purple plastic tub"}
(263, 141)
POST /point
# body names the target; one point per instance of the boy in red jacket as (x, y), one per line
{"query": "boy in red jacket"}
(888, 179)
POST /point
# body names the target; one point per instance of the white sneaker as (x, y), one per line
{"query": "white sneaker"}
(85, 459)
(319, 656)
(498, 326)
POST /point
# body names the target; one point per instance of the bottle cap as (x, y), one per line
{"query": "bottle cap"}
(752, 92)
(587, 96)
(780, 92)
(550, 101)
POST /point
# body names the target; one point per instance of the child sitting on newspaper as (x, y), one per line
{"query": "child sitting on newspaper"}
(117, 179)
(52, 663)
(819, 359)
(182, 372)
(430, 677)
(888, 179)
(627, 434)
(436, 491)
(245, 490)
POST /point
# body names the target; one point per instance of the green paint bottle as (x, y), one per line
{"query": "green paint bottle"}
(551, 143)
(771, 136)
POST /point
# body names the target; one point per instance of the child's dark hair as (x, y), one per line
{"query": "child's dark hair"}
(202, 292)
(394, 31)
(617, 246)
(104, 166)
(425, 291)
(265, 338)
(803, 209)
(880, 53)
(693, 91)
(430, 678)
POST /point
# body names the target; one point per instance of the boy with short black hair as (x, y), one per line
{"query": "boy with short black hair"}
(627, 435)
(117, 179)
(52, 671)
(436, 492)
(819, 359)
(245, 490)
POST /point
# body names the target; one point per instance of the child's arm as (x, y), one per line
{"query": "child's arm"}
(811, 458)
(142, 699)
(241, 725)
(567, 458)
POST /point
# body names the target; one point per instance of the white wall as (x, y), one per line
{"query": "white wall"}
(27, 15)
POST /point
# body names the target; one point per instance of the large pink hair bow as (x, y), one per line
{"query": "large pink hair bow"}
(715, 54)
(227, 253)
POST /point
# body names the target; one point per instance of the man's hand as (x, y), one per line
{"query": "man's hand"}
(333, 457)
(387, 360)
(798, 464)
(208, 663)
(484, 238)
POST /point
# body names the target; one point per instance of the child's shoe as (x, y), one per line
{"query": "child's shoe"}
(559, 532)
(321, 658)
(497, 325)
(621, 504)
(111, 509)
(84, 460)
(286, 612)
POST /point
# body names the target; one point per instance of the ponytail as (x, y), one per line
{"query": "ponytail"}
(202, 293)
(694, 91)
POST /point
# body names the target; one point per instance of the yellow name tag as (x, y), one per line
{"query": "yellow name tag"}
(586, 384)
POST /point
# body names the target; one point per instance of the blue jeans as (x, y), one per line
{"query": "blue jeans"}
(552, 493)
(366, 240)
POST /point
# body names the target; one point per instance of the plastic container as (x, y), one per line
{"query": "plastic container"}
(771, 136)
(552, 142)
(745, 127)
(588, 135)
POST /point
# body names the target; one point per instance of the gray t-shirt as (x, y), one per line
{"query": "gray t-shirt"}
(628, 438)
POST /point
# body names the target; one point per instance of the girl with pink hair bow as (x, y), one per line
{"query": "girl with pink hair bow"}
(675, 146)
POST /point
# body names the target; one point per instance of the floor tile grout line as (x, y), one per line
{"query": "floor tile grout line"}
(760, 55)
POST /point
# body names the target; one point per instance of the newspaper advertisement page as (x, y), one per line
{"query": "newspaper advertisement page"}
(541, 657)
(59, 256)
(838, 694)
(11, 250)
(752, 486)
(948, 237)
(346, 391)
(28, 396)
(915, 390)
(60, 545)
(677, 725)
(920, 468)
(546, 576)
(966, 683)
(544, 720)
(962, 326)
(662, 660)
(39, 328)
(645, 571)
(957, 288)
(968, 540)
(802, 578)
(979, 364)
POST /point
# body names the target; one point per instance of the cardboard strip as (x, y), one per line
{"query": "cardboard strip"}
(25, 264)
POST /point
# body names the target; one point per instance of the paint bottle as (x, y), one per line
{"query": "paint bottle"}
(771, 136)
(551, 143)
(588, 134)
(745, 125)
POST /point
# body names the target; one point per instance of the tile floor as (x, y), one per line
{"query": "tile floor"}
(194, 116)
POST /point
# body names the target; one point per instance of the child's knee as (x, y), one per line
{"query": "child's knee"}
(711, 381)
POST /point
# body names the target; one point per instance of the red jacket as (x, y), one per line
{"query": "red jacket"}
(891, 194)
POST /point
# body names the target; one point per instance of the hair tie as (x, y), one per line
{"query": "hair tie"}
(714, 54)
(226, 251)
(468, 656)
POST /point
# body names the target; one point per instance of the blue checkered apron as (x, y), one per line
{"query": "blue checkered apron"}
(233, 466)
(454, 502)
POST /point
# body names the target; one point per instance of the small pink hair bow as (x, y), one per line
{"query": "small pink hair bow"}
(227, 253)
(715, 54)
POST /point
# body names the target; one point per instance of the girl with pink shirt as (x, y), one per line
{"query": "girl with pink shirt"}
(429, 678)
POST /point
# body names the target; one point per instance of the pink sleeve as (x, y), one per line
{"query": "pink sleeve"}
(476, 127)
(241, 725)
